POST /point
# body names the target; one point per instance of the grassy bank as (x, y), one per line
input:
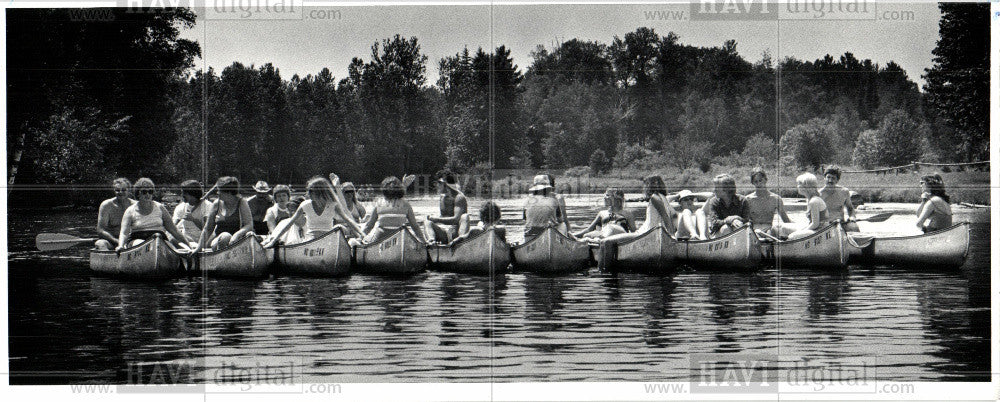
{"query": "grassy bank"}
(970, 186)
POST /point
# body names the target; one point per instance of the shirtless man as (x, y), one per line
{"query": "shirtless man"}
(763, 204)
(837, 199)
(109, 215)
(444, 228)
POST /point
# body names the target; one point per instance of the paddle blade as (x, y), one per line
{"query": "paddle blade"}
(408, 180)
(877, 218)
(57, 241)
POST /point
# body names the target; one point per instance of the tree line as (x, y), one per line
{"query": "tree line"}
(89, 101)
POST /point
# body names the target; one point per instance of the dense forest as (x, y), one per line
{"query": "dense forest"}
(89, 101)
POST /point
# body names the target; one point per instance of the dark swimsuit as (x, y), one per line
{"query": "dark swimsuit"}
(227, 224)
(618, 219)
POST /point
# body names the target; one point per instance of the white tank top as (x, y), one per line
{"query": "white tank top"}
(318, 224)
(142, 223)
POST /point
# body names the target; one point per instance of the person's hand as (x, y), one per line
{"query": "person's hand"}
(738, 222)
(334, 179)
(925, 195)
(119, 249)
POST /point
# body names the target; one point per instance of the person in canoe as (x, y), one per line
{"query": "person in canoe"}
(658, 211)
(838, 200)
(259, 205)
(390, 213)
(726, 211)
(934, 212)
(541, 209)
(279, 211)
(688, 218)
(354, 206)
(296, 232)
(453, 205)
(763, 203)
(564, 228)
(489, 217)
(145, 218)
(611, 221)
(322, 211)
(109, 215)
(229, 219)
(189, 214)
(816, 210)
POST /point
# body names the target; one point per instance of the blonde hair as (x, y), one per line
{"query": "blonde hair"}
(807, 180)
(319, 187)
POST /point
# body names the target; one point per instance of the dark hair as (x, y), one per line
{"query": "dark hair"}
(281, 188)
(834, 170)
(192, 188)
(552, 181)
(392, 188)
(228, 184)
(489, 213)
(293, 204)
(758, 171)
(725, 181)
(936, 185)
(654, 185)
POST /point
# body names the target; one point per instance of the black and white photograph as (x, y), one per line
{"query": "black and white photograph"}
(500, 200)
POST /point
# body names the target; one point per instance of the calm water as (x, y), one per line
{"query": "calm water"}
(67, 326)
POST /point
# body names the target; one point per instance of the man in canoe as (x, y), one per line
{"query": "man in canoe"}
(726, 211)
(453, 205)
(109, 215)
(259, 204)
(763, 204)
(838, 200)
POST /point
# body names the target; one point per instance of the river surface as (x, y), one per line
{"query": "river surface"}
(68, 326)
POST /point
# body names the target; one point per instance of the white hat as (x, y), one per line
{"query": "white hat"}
(684, 194)
(540, 182)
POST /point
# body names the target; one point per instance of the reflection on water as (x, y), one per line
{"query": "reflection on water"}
(67, 326)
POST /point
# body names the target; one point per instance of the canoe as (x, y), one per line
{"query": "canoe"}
(484, 253)
(739, 250)
(655, 250)
(326, 255)
(151, 259)
(551, 252)
(396, 253)
(942, 248)
(824, 249)
(246, 258)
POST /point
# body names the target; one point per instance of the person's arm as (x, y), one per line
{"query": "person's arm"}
(281, 232)
(346, 217)
(271, 218)
(362, 213)
(814, 214)
(781, 211)
(666, 212)
(338, 193)
(178, 215)
(593, 225)
(851, 214)
(125, 232)
(171, 228)
(461, 207)
(629, 220)
(372, 219)
(103, 216)
(246, 219)
(413, 224)
(206, 233)
(714, 223)
(199, 222)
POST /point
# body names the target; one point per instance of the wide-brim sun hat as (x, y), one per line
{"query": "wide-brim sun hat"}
(684, 194)
(541, 182)
(453, 186)
(262, 187)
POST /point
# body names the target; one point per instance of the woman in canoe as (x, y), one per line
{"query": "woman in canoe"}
(146, 218)
(296, 232)
(321, 211)
(658, 211)
(611, 221)
(279, 211)
(564, 228)
(357, 210)
(816, 211)
(542, 209)
(489, 218)
(390, 213)
(934, 212)
(689, 218)
(229, 218)
(189, 214)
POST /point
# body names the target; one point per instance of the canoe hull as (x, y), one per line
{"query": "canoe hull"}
(739, 250)
(485, 253)
(826, 248)
(552, 252)
(152, 259)
(397, 253)
(244, 259)
(943, 248)
(654, 250)
(327, 255)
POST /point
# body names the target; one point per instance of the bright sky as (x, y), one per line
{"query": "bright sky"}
(904, 33)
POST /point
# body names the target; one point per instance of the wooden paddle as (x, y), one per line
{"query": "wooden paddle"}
(58, 241)
(408, 179)
(876, 218)
(208, 193)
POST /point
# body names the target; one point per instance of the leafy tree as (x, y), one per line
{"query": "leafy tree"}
(899, 140)
(958, 82)
(809, 145)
